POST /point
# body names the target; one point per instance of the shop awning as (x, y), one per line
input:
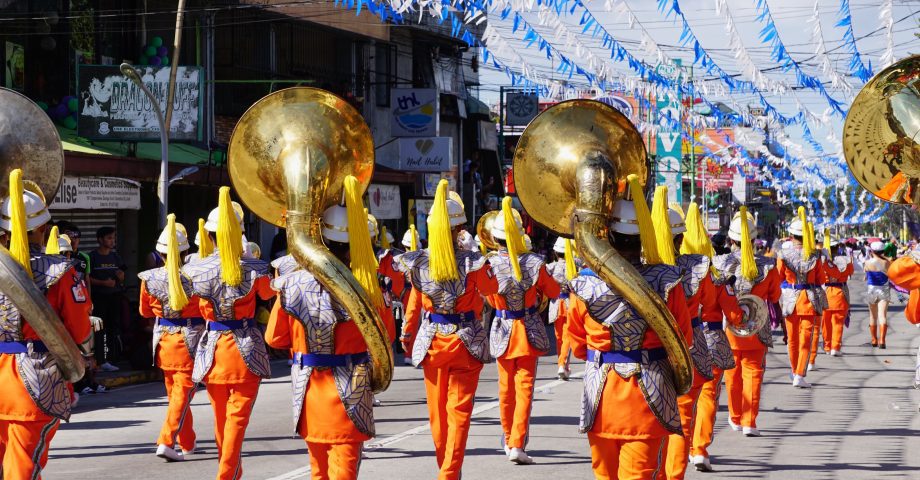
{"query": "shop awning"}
(178, 152)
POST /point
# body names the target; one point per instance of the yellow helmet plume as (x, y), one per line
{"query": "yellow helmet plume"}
(748, 264)
(514, 239)
(413, 243)
(229, 240)
(177, 297)
(806, 247)
(205, 247)
(571, 271)
(53, 247)
(662, 225)
(363, 261)
(19, 240)
(644, 220)
(696, 239)
(677, 208)
(827, 239)
(442, 259)
(384, 241)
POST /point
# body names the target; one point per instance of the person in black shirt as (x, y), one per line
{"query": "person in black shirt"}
(107, 276)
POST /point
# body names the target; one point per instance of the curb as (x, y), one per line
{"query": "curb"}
(130, 378)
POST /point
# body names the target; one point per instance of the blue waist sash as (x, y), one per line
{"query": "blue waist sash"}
(450, 318)
(13, 348)
(876, 279)
(180, 322)
(230, 325)
(330, 360)
(516, 314)
(714, 325)
(622, 356)
(798, 286)
(696, 322)
(835, 284)
(563, 295)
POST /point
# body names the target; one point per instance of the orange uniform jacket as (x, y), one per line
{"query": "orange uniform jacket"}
(171, 353)
(518, 345)
(769, 290)
(836, 300)
(803, 305)
(905, 273)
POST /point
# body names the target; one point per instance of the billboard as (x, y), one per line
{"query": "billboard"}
(113, 108)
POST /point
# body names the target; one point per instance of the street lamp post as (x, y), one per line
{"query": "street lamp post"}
(163, 182)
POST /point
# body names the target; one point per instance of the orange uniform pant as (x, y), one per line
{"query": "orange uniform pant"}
(334, 461)
(799, 330)
(678, 446)
(743, 384)
(562, 343)
(620, 459)
(178, 427)
(832, 322)
(451, 378)
(22, 444)
(706, 408)
(232, 405)
(515, 397)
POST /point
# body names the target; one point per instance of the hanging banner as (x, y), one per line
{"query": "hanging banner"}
(415, 112)
(113, 108)
(384, 201)
(431, 154)
(669, 143)
(97, 193)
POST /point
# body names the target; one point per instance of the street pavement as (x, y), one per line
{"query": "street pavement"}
(860, 421)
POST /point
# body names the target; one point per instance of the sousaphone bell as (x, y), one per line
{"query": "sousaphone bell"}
(288, 158)
(30, 141)
(570, 165)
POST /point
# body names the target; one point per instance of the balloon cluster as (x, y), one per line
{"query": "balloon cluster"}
(154, 53)
(65, 112)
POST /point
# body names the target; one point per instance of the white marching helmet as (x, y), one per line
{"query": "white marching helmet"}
(624, 218)
(796, 228)
(211, 224)
(181, 237)
(877, 247)
(407, 239)
(498, 227)
(734, 230)
(64, 244)
(455, 211)
(559, 246)
(390, 238)
(335, 224)
(676, 221)
(36, 211)
(528, 243)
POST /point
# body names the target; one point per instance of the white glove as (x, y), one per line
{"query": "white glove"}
(97, 323)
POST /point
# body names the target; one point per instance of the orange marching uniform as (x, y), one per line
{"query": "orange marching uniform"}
(175, 339)
(557, 306)
(838, 272)
(447, 339)
(35, 396)
(231, 358)
(518, 337)
(905, 273)
(629, 406)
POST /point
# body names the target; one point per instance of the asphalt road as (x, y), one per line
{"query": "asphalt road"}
(861, 421)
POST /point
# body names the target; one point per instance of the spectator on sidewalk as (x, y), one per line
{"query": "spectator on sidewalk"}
(107, 276)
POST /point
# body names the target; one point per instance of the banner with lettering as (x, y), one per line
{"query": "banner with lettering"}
(97, 193)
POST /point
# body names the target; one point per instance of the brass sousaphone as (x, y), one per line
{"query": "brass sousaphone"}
(755, 315)
(484, 229)
(29, 141)
(570, 165)
(881, 136)
(288, 158)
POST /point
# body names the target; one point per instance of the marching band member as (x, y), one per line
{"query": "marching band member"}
(32, 406)
(563, 269)
(330, 375)
(905, 273)
(702, 297)
(411, 242)
(166, 296)
(741, 358)
(442, 330)
(231, 357)
(799, 267)
(838, 269)
(629, 404)
(518, 337)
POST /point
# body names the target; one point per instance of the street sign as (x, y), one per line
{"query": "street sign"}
(521, 108)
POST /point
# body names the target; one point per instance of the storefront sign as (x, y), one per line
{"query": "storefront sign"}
(430, 183)
(415, 112)
(429, 154)
(97, 193)
(384, 201)
(422, 207)
(113, 108)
